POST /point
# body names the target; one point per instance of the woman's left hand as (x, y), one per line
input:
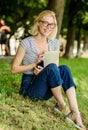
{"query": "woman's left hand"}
(37, 69)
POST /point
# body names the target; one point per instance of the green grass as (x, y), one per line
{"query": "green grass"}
(18, 113)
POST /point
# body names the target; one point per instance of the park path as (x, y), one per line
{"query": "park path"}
(10, 58)
(6, 58)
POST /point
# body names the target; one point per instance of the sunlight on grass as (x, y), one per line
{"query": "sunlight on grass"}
(18, 113)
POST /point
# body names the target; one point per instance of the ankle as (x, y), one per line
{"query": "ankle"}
(75, 112)
(77, 116)
(60, 106)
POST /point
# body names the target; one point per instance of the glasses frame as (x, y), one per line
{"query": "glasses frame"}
(46, 24)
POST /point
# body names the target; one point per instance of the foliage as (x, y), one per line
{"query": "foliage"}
(18, 113)
(75, 11)
(18, 13)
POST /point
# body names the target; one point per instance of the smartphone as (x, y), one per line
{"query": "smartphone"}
(41, 63)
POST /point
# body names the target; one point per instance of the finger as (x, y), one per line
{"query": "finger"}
(35, 72)
(39, 67)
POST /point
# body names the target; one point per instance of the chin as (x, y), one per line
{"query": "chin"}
(47, 34)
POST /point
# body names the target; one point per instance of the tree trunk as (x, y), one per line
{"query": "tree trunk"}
(85, 43)
(72, 11)
(79, 41)
(58, 7)
(70, 41)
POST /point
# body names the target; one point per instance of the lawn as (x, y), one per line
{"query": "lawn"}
(18, 113)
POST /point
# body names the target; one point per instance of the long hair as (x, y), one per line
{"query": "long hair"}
(34, 29)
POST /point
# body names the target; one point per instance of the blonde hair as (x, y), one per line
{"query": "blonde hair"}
(34, 29)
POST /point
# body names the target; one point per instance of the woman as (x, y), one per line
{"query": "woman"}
(4, 40)
(41, 83)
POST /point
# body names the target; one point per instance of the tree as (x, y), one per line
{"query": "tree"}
(76, 15)
(58, 7)
(18, 13)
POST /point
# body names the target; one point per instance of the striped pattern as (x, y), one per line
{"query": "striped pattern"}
(31, 53)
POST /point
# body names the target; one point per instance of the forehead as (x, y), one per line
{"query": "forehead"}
(48, 18)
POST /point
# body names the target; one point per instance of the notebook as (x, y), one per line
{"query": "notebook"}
(51, 57)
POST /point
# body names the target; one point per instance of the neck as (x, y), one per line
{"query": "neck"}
(41, 43)
(40, 39)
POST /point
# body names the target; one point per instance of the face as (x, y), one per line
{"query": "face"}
(46, 25)
(2, 22)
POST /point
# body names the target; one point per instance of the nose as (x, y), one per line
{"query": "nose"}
(48, 26)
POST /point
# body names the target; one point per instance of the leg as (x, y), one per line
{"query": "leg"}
(3, 49)
(58, 94)
(0, 49)
(60, 105)
(71, 95)
(69, 88)
(44, 82)
(7, 48)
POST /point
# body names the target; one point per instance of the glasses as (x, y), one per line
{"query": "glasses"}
(46, 24)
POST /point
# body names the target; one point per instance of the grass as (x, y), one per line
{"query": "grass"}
(18, 113)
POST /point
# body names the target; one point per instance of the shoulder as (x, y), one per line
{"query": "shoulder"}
(27, 42)
(54, 41)
(27, 39)
(54, 44)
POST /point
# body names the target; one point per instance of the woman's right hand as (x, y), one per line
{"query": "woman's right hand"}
(38, 69)
(40, 58)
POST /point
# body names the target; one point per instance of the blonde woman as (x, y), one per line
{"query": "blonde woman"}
(39, 82)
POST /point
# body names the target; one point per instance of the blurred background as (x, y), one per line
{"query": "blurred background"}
(72, 20)
(16, 18)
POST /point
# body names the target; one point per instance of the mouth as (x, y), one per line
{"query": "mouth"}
(47, 31)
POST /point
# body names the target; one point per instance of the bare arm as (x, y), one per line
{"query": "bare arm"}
(16, 66)
(7, 28)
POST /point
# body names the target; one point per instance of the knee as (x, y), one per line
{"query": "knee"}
(64, 68)
(52, 66)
